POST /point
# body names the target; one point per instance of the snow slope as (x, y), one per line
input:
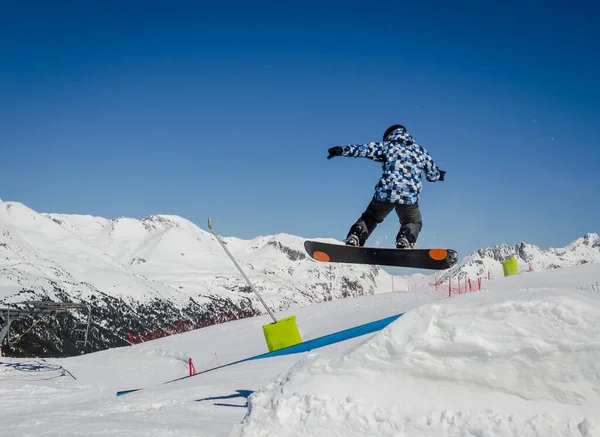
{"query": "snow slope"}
(491, 365)
(521, 357)
(488, 261)
(161, 256)
(169, 258)
(144, 275)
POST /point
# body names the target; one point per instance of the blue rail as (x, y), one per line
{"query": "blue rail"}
(305, 346)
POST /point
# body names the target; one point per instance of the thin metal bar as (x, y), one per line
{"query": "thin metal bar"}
(6, 328)
(40, 308)
(240, 269)
(87, 329)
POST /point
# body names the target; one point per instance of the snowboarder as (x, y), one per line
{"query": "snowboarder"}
(403, 161)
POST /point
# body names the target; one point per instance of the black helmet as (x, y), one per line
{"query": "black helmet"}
(392, 129)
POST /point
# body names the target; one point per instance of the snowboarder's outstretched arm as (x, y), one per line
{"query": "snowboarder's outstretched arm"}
(432, 172)
(375, 151)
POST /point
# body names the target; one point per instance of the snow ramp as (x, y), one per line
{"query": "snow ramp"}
(520, 363)
(305, 346)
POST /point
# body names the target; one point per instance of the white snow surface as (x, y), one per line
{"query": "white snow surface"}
(169, 258)
(488, 261)
(162, 257)
(520, 358)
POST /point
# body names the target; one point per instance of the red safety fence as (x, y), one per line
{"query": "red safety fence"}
(463, 285)
(458, 285)
(190, 325)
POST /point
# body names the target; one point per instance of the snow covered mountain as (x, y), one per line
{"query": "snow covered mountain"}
(584, 250)
(142, 275)
(139, 276)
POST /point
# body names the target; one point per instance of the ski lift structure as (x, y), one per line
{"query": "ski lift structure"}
(46, 309)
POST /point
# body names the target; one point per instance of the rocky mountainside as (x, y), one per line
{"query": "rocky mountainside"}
(529, 257)
(143, 275)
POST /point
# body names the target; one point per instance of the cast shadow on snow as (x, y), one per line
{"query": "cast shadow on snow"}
(36, 367)
(239, 394)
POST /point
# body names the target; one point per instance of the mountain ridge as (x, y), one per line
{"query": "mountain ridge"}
(143, 275)
(529, 257)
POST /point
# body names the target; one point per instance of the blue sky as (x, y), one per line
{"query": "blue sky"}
(227, 111)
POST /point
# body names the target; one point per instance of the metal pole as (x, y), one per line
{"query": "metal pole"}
(6, 327)
(87, 329)
(240, 269)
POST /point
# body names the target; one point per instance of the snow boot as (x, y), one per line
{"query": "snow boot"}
(356, 236)
(352, 240)
(405, 240)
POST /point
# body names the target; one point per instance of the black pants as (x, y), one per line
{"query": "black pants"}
(409, 216)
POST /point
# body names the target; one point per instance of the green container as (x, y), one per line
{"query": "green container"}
(510, 267)
(283, 333)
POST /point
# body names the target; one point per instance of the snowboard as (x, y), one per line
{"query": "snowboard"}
(430, 259)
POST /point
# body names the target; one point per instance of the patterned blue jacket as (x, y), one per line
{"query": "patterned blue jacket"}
(402, 161)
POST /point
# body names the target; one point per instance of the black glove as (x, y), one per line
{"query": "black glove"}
(335, 151)
(442, 175)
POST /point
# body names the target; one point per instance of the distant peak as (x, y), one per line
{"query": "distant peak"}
(589, 239)
(583, 250)
(158, 219)
(167, 221)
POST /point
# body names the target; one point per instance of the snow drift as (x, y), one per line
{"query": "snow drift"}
(526, 364)
(520, 358)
